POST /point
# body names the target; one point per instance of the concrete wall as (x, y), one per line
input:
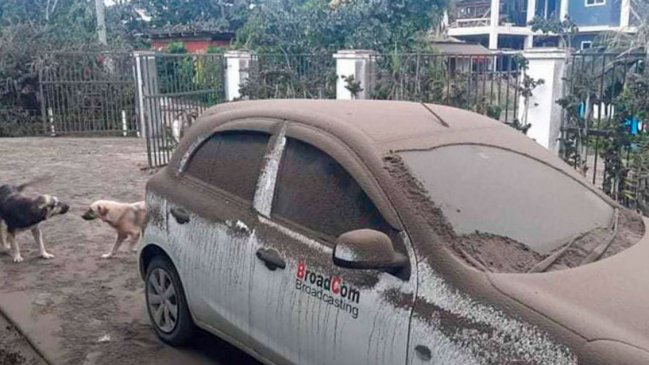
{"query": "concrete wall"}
(544, 113)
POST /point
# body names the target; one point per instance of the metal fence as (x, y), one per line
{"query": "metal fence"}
(283, 76)
(600, 134)
(175, 89)
(488, 84)
(159, 95)
(88, 93)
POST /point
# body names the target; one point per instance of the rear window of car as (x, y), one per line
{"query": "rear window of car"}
(495, 191)
(314, 191)
(230, 161)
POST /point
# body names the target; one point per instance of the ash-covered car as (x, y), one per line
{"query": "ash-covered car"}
(368, 232)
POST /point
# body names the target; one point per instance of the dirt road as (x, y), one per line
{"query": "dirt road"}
(78, 308)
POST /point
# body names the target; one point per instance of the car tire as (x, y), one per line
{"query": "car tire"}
(166, 303)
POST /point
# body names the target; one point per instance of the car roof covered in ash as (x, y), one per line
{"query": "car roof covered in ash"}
(383, 121)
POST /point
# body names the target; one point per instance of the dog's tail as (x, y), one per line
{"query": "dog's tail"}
(35, 181)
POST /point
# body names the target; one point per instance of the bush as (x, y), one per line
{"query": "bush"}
(17, 122)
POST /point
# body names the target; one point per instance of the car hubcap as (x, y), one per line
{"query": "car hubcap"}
(163, 303)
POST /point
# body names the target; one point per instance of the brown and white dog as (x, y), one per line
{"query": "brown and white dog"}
(22, 212)
(127, 219)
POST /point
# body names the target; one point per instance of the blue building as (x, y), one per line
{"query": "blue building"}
(502, 24)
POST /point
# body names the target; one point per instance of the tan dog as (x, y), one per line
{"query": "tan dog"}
(127, 219)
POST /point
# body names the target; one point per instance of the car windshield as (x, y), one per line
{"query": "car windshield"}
(506, 206)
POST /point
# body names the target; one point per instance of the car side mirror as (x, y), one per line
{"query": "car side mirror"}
(367, 249)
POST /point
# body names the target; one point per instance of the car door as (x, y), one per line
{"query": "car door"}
(212, 219)
(303, 308)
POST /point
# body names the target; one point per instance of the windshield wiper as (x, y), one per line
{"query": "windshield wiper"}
(599, 250)
(595, 254)
(543, 265)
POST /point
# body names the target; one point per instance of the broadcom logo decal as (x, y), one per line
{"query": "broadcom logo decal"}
(329, 289)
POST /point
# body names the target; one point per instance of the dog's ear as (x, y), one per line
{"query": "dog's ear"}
(42, 202)
(102, 210)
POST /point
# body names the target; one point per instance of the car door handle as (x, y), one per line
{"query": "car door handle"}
(271, 259)
(423, 353)
(181, 215)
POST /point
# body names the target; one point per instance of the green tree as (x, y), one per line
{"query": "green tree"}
(30, 32)
(307, 26)
(204, 14)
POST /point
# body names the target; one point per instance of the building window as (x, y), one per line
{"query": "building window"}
(586, 44)
(595, 2)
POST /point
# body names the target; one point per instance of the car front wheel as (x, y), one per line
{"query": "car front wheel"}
(166, 303)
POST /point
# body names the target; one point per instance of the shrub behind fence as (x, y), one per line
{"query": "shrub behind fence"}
(279, 76)
(487, 84)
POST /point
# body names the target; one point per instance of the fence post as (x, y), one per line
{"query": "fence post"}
(236, 72)
(146, 83)
(360, 65)
(544, 113)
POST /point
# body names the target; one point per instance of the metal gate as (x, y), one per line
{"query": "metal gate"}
(599, 133)
(173, 89)
(88, 93)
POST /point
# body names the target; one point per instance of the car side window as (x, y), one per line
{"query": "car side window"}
(316, 192)
(230, 161)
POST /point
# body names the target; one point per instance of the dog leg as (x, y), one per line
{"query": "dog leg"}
(118, 242)
(3, 238)
(15, 247)
(135, 240)
(38, 237)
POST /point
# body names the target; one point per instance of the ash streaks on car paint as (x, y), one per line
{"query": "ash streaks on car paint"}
(325, 329)
(203, 250)
(488, 334)
(155, 212)
(314, 253)
(458, 329)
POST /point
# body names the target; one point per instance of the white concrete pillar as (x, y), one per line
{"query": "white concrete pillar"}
(625, 14)
(357, 63)
(531, 9)
(531, 12)
(529, 42)
(146, 84)
(493, 24)
(237, 70)
(563, 12)
(544, 113)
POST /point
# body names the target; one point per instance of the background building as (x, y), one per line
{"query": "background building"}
(502, 24)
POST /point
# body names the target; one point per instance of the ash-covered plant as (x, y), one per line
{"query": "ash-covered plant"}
(421, 77)
(526, 90)
(272, 76)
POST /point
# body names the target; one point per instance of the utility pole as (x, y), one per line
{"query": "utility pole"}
(101, 21)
